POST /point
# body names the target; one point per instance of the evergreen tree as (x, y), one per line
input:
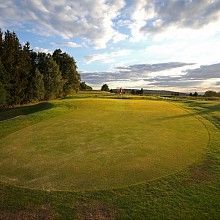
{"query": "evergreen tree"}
(210, 93)
(69, 71)
(84, 86)
(2, 95)
(25, 72)
(39, 84)
(1, 43)
(38, 90)
(142, 91)
(3, 85)
(16, 63)
(42, 60)
(195, 94)
(27, 76)
(105, 88)
(53, 81)
(30, 93)
(4, 79)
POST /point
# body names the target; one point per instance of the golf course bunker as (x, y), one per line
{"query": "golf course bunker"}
(102, 144)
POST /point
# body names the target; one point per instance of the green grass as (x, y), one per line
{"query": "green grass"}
(102, 144)
(186, 187)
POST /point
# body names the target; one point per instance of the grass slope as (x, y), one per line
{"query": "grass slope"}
(192, 193)
(102, 144)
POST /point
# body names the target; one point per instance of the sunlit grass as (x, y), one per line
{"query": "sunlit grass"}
(102, 144)
(192, 192)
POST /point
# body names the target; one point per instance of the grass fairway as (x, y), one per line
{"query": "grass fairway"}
(100, 144)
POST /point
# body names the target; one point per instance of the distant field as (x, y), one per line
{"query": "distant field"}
(93, 144)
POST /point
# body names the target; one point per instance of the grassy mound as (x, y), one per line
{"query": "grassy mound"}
(99, 144)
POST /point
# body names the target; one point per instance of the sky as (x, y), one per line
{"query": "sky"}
(151, 44)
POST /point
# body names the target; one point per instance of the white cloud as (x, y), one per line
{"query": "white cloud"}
(42, 50)
(119, 37)
(168, 76)
(123, 22)
(205, 72)
(158, 23)
(184, 14)
(135, 27)
(139, 12)
(67, 44)
(72, 44)
(95, 20)
(148, 17)
(186, 45)
(209, 84)
(106, 57)
(89, 19)
(144, 10)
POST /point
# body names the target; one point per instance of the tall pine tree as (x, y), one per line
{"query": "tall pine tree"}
(17, 65)
(38, 86)
(3, 85)
(27, 76)
(1, 43)
(53, 81)
(69, 71)
(25, 72)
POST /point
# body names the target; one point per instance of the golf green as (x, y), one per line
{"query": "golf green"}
(102, 144)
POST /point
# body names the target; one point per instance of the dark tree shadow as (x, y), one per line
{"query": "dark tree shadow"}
(8, 113)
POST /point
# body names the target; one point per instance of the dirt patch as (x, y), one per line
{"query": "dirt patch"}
(95, 211)
(43, 213)
(202, 172)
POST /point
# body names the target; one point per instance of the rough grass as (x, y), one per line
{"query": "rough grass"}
(192, 193)
(91, 210)
(102, 144)
(42, 213)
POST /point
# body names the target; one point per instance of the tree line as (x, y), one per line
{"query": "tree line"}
(211, 93)
(27, 76)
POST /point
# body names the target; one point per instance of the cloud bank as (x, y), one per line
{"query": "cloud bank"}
(112, 34)
(204, 72)
(188, 79)
(96, 21)
(152, 67)
(89, 19)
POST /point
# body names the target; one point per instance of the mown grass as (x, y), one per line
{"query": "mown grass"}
(103, 143)
(24, 116)
(191, 193)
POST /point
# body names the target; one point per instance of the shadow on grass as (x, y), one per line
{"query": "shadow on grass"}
(9, 113)
(204, 110)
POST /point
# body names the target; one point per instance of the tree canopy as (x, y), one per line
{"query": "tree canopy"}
(105, 88)
(84, 86)
(28, 76)
(211, 93)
